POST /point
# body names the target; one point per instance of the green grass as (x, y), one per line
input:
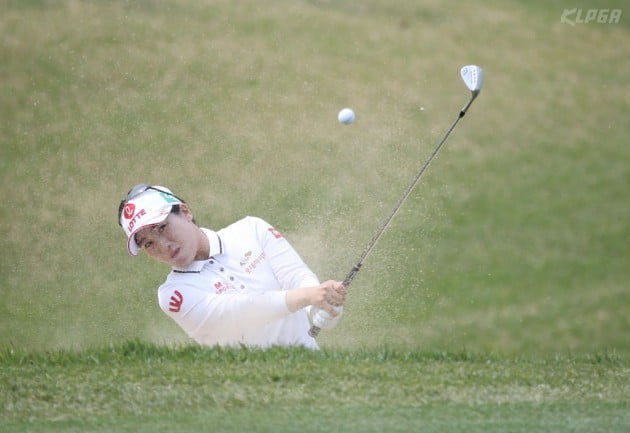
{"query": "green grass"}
(141, 387)
(500, 290)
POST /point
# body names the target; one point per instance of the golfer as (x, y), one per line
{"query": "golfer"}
(243, 285)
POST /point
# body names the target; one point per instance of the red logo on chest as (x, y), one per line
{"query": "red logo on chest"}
(219, 287)
(176, 302)
(254, 264)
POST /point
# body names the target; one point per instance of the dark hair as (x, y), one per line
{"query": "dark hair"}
(176, 209)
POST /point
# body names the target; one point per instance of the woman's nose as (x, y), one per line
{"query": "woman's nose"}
(164, 245)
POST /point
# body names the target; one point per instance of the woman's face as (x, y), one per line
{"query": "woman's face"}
(176, 241)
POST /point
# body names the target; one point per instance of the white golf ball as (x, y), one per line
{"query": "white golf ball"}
(346, 116)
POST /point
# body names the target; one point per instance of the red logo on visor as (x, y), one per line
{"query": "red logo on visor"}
(129, 210)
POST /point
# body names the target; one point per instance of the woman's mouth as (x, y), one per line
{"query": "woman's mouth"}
(175, 253)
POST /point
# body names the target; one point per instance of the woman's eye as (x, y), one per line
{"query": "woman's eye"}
(148, 244)
(161, 228)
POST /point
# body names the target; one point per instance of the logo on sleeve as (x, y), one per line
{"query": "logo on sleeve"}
(276, 234)
(176, 302)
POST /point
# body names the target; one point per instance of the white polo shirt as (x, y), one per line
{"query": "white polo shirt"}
(237, 296)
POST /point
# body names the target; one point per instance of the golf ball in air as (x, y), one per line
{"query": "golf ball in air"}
(346, 116)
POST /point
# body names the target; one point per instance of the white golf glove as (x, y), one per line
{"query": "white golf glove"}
(322, 319)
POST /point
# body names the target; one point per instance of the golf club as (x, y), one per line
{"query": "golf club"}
(473, 78)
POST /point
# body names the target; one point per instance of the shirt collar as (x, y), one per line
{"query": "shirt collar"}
(216, 249)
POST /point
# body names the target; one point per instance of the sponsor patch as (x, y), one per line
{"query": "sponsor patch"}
(176, 302)
(245, 258)
(254, 264)
(135, 219)
(276, 234)
(129, 210)
(223, 286)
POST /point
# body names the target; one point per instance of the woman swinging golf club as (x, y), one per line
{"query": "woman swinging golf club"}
(241, 285)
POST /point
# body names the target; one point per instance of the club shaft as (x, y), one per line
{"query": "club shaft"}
(314, 331)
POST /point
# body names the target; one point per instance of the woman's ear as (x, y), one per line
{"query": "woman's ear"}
(186, 212)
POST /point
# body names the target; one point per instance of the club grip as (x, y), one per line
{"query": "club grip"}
(314, 331)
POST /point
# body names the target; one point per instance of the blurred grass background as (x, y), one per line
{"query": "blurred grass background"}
(515, 241)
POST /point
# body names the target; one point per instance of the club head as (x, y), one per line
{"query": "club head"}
(473, 77)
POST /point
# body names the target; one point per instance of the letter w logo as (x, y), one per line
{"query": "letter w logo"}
(176, 302)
